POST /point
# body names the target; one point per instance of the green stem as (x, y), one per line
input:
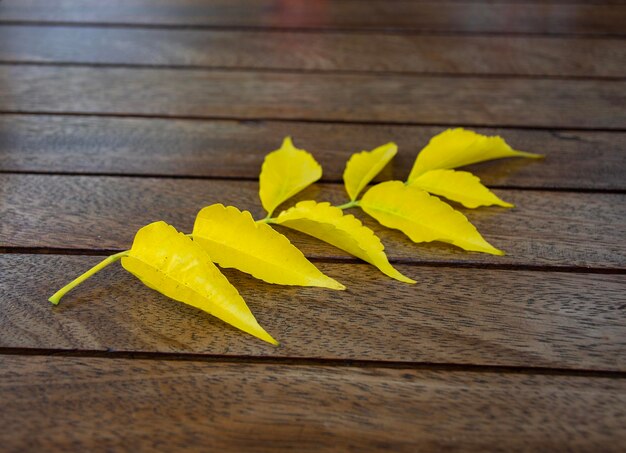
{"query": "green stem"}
(349, 204)
(56, 297)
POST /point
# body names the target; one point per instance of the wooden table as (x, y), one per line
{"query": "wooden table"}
(117, 113)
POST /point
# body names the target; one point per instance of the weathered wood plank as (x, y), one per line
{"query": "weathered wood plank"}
(443, 16)
(61, 404)
(580, 104)
(505, 55)
(559, 229)
(460, 316)
(100, 145)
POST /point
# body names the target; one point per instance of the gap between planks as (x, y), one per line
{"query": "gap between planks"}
(277, 70)
(254, 179)
(260, 119)
(301, 361)
(347, 31)
(296, 71)
(345, 260)
(618, 36)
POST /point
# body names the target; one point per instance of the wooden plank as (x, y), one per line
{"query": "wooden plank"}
(95, 404)
(557, 229)
(528, 55)
(97, 145)
(444, 16)
(460, 316)
(580, 104)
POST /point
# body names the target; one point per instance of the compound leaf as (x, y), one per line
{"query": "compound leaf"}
(234, 240)
(284, 173)
(458, 147)
(328, 223)
(364, 166)
(422, 217)
(171, 263)
(460, 186)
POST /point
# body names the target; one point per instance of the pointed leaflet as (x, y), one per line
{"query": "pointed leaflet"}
(171, 263)
(459, 186)
(458, 147)
(328, 223)
(233, 239)
(284, 173)
(364, 166)
(422, 217)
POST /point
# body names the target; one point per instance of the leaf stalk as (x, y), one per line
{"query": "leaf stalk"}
(56, 297)
(350, 204)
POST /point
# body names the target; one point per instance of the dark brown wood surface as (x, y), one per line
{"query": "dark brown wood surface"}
(554, 229)
(451, 316)
(315, 97)
(533, 16)
(274, 407)
(115, 114)
(517, 55)
(235, 149)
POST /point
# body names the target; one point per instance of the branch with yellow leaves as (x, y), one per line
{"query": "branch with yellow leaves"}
(183, 268)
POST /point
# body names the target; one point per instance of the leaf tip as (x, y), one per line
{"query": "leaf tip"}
(495, 251)
(331, 283)
(396, 274)
(482, 246)
(405, 279)
(261, 334)
(498, 202)
(530, 155)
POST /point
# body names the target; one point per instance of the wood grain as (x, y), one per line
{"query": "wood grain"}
(137, 146)
(460, 316)
(140, 405)
(528, 55)
(557, 229)
(579, 104)
(444, 16)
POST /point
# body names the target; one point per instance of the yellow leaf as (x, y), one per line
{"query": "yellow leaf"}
(284, 173)
(460, 186)
(233, 239)
(171, 263)
(458, 147)
(364, 166)
(328, 223)
(422, 217)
